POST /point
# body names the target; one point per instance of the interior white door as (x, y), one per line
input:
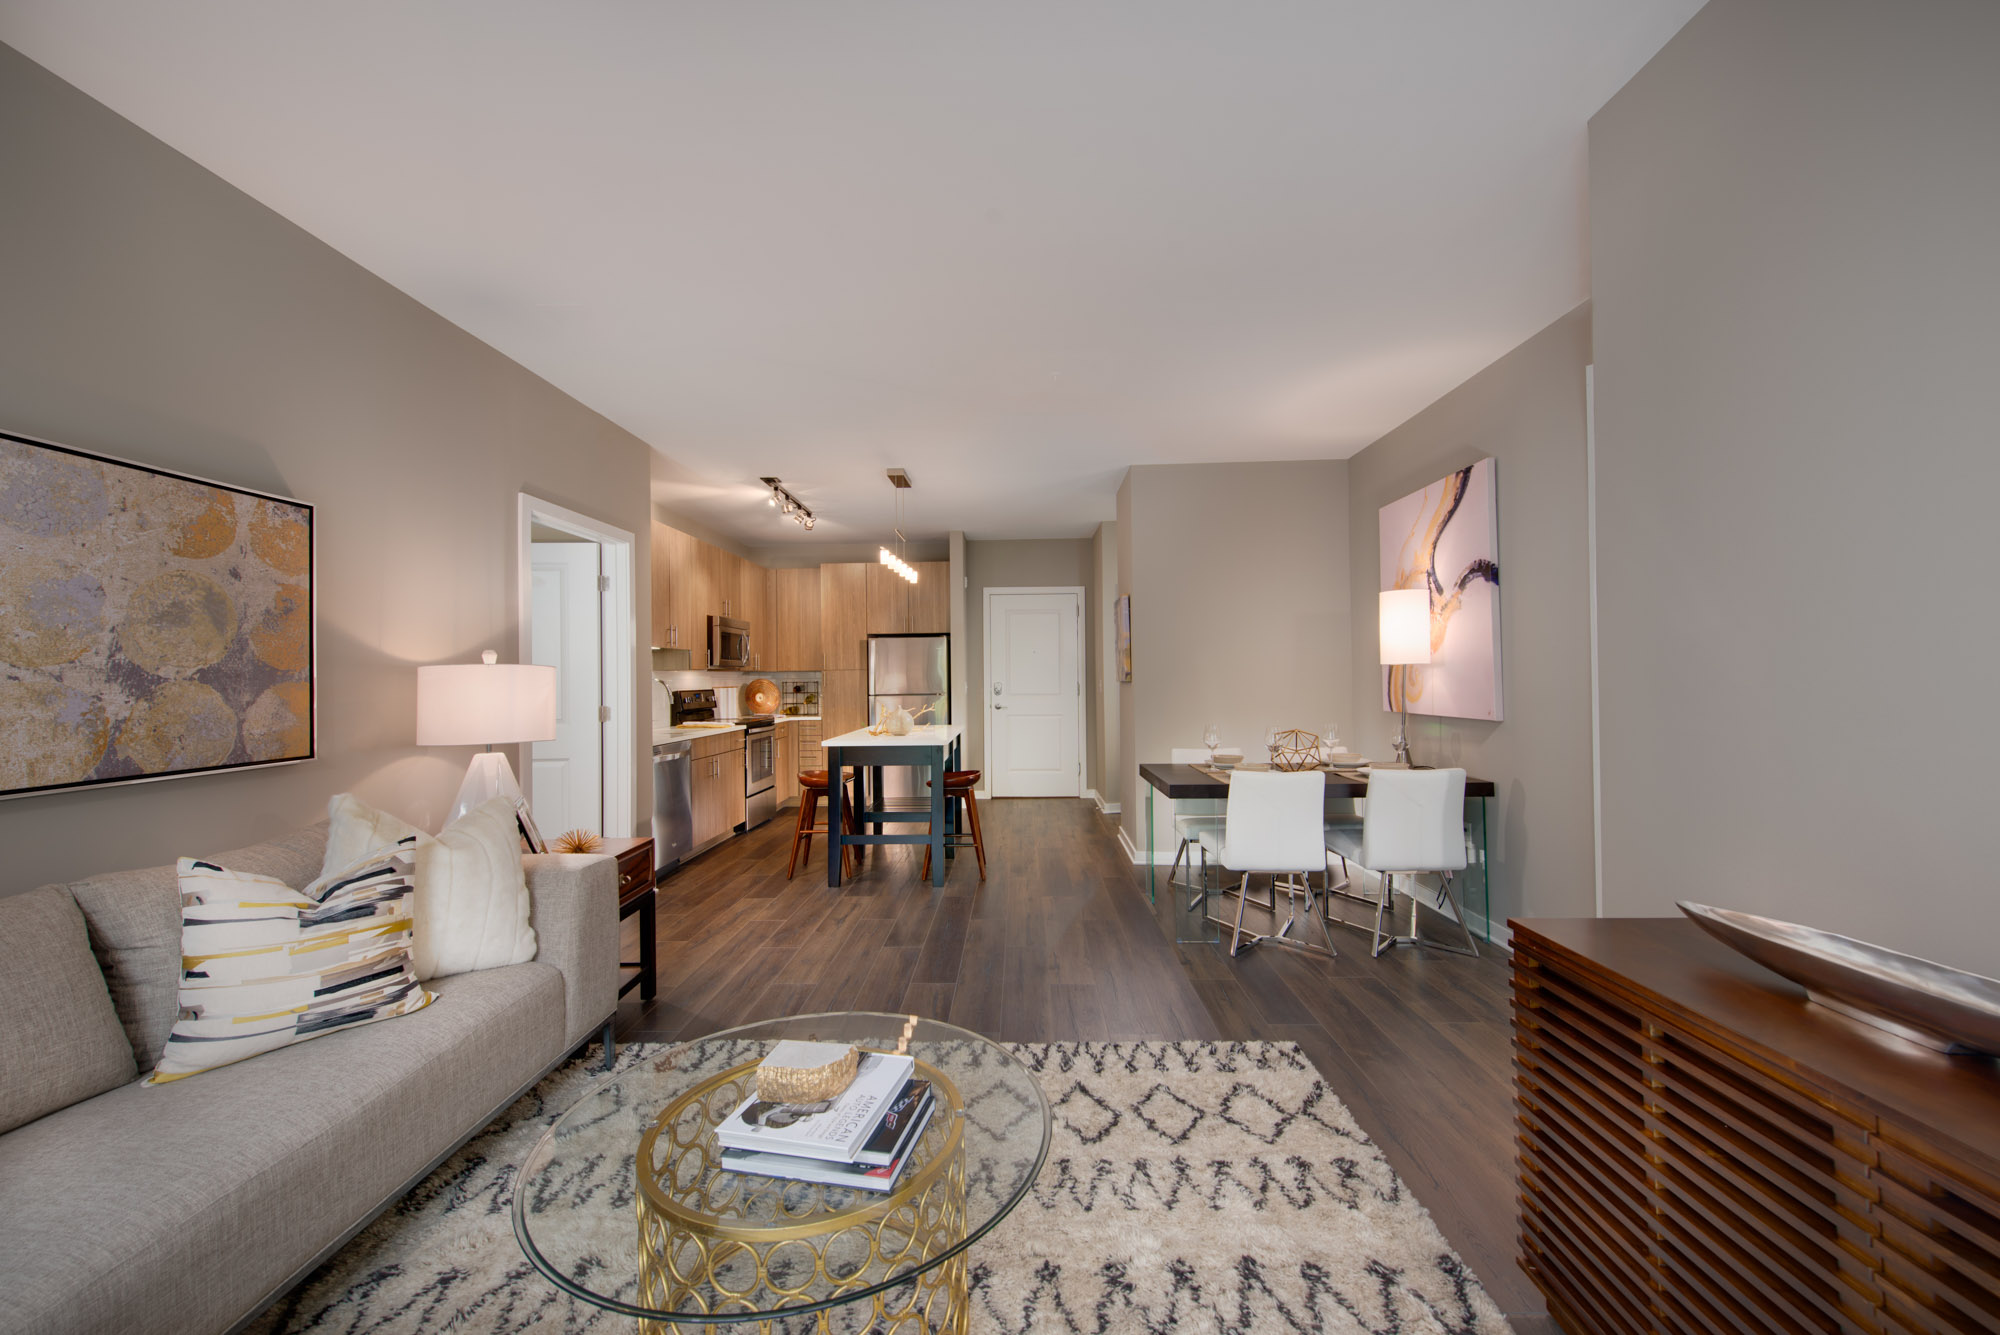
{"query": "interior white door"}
(1034, 695)
(568, 634)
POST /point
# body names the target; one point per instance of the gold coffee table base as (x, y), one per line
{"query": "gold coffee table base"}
(805, 1245)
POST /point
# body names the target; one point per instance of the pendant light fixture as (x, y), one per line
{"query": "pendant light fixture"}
(900, 481)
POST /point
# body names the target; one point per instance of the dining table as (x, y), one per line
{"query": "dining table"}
(1179, 783)
(933, 747)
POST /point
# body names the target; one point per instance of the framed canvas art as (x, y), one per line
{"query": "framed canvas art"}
(152, 625)
(1124, 624)
(1446, 538)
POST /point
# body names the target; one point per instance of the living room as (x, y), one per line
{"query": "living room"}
(1739, 426)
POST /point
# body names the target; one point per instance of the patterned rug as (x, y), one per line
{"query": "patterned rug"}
(1200, 1188)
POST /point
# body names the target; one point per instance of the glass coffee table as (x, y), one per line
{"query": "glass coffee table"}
(684, 1244)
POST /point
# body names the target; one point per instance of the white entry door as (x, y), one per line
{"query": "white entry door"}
(567, 634)
(1034, 694)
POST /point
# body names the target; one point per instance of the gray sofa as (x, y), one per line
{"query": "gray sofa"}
(189, 1207)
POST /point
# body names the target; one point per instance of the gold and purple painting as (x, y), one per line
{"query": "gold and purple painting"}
(151, 625)
(1446, 539)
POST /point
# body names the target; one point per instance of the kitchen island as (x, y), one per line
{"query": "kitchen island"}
(934, 747)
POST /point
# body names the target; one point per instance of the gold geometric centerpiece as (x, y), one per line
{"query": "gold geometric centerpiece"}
(713, 1241)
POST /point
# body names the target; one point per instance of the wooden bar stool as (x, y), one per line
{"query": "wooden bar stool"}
(812, 787)
(958, 786)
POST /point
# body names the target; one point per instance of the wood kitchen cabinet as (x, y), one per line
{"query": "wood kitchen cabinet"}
(660, 631)
(843, 700)
(717, 786)
(754, 592)
(786, 779)
(930, 598)
(888, 601)
(679, 593)
(843, 616)
(795, 599)
(898, 607)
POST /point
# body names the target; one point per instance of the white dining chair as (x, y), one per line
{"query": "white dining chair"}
(1414, 825)
(1192, 816)
(1274, 823)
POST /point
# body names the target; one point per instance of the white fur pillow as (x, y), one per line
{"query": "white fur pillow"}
(472, 899)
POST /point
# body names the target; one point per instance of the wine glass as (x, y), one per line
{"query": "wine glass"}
(1329, 741)
(1211, 737)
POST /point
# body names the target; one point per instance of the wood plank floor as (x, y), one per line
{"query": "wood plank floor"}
(1059, 943)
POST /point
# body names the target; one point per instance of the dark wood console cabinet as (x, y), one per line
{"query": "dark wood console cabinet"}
(1703, 1150)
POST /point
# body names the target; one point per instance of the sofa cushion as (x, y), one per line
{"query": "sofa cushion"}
(135, 930)
(266, 966)
(60, 1040)
(472, 896)
(180, 1206)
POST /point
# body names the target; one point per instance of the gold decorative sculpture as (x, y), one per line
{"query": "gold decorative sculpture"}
(576, 841)
(1295, 749)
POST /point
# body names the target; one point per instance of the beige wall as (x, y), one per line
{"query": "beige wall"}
(1796, 279)
(1028, 563)
(1239, 576)
(154, 312)
(1527, 412)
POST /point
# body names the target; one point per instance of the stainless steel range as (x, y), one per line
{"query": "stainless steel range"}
(760, 751)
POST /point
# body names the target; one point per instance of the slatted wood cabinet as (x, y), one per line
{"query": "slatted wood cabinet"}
(1702, 1150)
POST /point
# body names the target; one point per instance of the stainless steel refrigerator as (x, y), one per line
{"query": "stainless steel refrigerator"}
(912, 672)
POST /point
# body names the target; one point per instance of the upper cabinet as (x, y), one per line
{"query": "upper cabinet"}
(898, 607)
(888, 602)
(930, 598)
(814, 618)
(843, 616)
(679, 592)
(795, 618)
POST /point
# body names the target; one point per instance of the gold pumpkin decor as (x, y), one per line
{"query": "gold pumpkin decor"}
(1295, 749)
(576, 841)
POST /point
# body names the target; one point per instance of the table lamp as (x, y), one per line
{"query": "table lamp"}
(1406, 641)
(488, 703)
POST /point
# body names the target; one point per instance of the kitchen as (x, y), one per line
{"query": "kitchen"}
(795, 640)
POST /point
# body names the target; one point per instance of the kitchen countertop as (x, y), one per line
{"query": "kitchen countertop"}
(673, 734)
(929, 734)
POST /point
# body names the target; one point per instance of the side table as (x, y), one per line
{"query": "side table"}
(636, 895)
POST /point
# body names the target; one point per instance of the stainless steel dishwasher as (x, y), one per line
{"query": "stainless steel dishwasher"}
(673, 804)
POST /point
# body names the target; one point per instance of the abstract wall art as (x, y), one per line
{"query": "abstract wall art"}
(151, 625)
(1124, 632)
(1446, 538)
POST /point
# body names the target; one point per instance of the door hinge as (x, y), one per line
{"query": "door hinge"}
(604, 583)
(604, 713)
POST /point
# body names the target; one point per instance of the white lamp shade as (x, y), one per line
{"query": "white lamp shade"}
(485, 704)
(1406, 626)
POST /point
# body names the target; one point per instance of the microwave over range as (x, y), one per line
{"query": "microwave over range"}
(728, 643)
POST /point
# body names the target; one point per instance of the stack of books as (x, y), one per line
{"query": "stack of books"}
(860, 1138)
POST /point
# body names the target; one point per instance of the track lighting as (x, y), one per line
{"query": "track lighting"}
(788, 505)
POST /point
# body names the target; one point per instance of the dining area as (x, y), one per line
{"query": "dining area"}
(1282, 849)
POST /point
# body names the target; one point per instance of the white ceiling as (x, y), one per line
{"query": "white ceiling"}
(1013, 247)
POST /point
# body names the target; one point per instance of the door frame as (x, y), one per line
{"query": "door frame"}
(618, 617)
(986, 674)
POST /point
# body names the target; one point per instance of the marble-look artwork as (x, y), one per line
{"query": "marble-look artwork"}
(1446, 539)
(150, 624)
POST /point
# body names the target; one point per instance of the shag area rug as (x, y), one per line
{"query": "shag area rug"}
(1206, 1188)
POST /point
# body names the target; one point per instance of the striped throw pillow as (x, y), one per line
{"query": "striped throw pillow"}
(264, 966)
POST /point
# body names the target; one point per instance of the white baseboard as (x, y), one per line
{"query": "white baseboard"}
(1108, 808)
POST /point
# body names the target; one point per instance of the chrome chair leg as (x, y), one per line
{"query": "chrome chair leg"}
(1383, 906)
(1242, 897)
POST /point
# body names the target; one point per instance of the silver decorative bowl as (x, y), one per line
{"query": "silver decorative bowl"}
(1947, 1009)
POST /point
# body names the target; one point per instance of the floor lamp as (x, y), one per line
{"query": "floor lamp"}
(1405, 631)
(489, 704)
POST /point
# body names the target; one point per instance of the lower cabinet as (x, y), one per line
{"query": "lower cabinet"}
(717, 787)
(786, 780)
